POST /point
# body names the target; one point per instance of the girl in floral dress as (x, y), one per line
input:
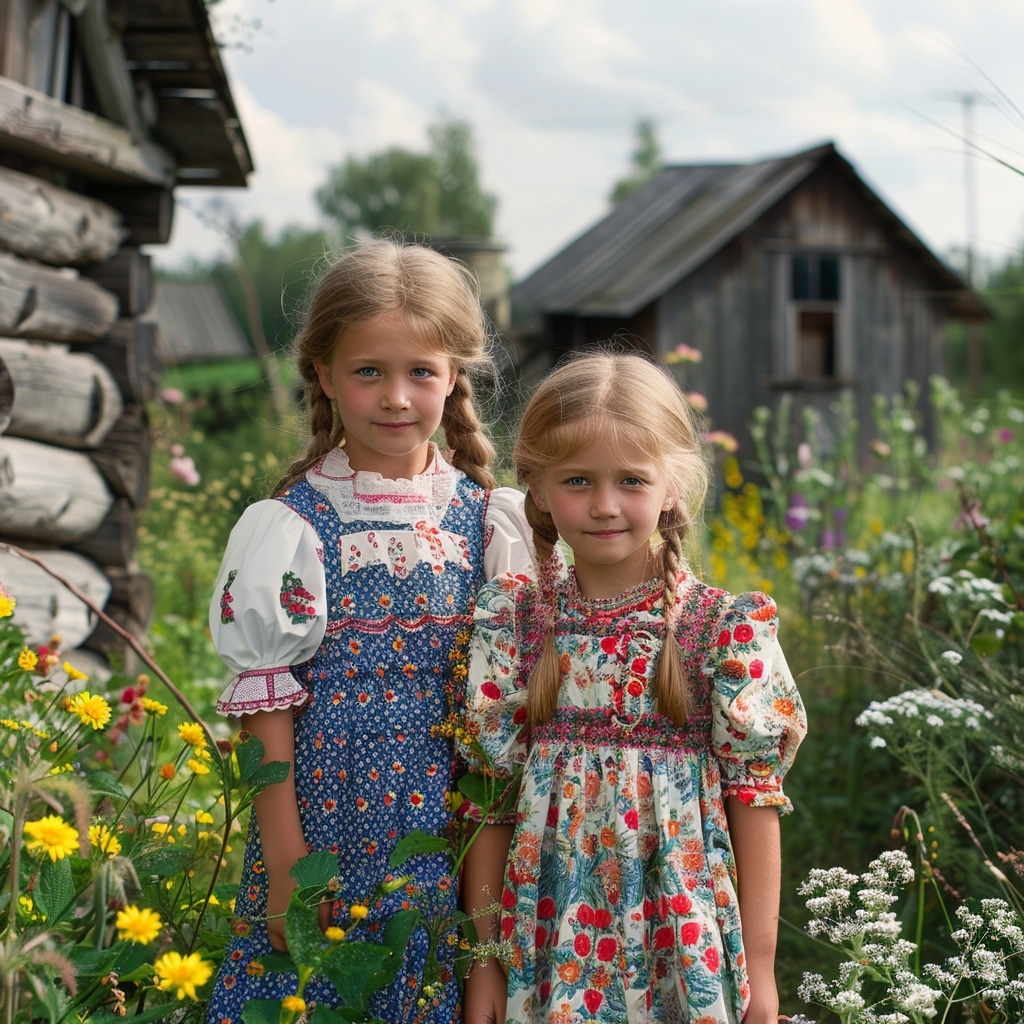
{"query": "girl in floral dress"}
(653, 718)
(338, 603)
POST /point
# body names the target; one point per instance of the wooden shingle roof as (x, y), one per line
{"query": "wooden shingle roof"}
(681, 218)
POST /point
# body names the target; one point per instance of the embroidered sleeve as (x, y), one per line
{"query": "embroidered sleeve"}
(508, 537)
(495, 701)
(268, 611)
(758, 718)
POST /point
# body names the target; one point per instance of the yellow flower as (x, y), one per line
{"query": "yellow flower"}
(357, 912)
(10, 723)
(91, 709)
(181, 974)
(334, 933)
(204, 817)
(192, 733)
(74, 673)
(294, 1004)
(161, 828)
(198, 767)
(53, 836)
(154, 707)
(138, 924)
(28, 659)
(103, 839)
(7, 604)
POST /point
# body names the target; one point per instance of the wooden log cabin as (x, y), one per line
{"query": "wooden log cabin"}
(790, 276)
(107, 107)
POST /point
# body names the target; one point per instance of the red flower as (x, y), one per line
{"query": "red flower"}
(492, 690)
(664, 938)
(724, 637)
(508, 898)
(602, 918)
(507, 924)
(639, 666)
(631, 818)
(585, 914)
(582, 945)
(552, 816)
(756, 668)
(681, 903)
(690, 933)
(519, 718)
(743, 633)
(593, 999)
(711, 959)
(540, 936)
(611, 644)
(606, 949)
(546, 909)
(635, 688)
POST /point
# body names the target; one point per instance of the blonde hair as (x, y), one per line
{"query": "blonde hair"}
(620, 397)
(440, 299)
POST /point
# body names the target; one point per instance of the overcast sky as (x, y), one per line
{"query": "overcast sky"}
(553, 89)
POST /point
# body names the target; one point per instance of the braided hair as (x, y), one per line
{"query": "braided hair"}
(597, 394)
(440, 299)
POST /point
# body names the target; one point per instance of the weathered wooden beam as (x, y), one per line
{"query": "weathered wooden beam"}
(6, 396)
(45, 606)
(64, 398)
(146, 213)
(60, 135)
(114, 541)
(49, 494)
(123, 456)
(131, 354)
(104, 55)
(129, 276)
(52, 225)
(53, 305)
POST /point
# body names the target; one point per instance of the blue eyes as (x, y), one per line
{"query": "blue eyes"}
(582, 481)
(420, 373)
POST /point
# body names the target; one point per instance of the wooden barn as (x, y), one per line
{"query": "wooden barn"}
(788, 275)
(106, 107)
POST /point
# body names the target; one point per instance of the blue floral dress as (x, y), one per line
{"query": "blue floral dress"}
(620, 891)
(342, 599)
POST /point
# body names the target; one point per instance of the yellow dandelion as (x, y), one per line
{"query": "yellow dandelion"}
(294, 1004)
(52, 836)
(74, 673)
(91, 709)
(153, 707)
(357, 912)
(192, 734)
(181, 974)
(198, 767)
(334, 933)
(204, 817)
(138, 924)
(7, 604)
(103, 839)
(28, 659)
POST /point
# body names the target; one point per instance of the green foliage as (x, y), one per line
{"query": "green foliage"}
(436, 194)
(646, 161)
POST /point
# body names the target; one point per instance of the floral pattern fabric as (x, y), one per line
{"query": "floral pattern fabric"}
(371, 668)
(620, 892)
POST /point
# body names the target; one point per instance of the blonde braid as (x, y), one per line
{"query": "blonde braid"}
(325, 434)
(546, 677)
(472, 452)
(671, 689)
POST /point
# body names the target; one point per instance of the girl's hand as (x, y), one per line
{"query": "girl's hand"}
(277, 903)
(486, 994)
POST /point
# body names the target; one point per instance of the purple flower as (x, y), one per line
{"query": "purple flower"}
(798, 513)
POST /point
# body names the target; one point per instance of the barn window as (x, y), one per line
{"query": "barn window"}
(814, 295)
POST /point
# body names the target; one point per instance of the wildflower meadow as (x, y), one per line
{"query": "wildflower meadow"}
(895, 550)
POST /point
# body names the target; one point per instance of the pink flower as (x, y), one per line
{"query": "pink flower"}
(683, 354)
(184, 469)
(172, 396)
(697, 400)
(724, 440)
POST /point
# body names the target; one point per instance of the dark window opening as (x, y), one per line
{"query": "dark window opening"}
(816, 343)
(815, 278)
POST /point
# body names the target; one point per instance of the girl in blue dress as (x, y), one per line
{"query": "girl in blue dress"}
(653, 718)
(338, 602)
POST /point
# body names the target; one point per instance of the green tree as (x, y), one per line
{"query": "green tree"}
(436, 193)
(646, 161)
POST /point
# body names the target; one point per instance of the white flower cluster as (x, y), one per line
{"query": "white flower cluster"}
(963, 591)
(853, 912)
(929, 707)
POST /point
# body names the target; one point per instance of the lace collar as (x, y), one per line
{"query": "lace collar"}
(360, 495)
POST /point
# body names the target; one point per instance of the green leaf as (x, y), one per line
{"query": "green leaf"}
(105, 784)
(280, 962)
(325, 1015)
(269, 773)
(358, 969)
(306, 943)
(249, 756)
(260, 1011)
(415, 843)
(158, 1012)
(477, 789)
(399, 929)
(55, 894)
(163, 862)
(315, 870)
